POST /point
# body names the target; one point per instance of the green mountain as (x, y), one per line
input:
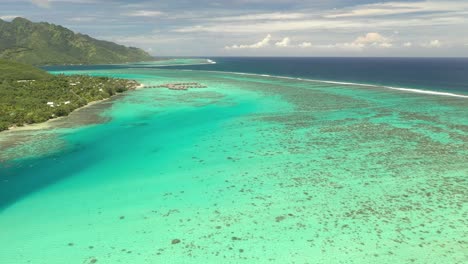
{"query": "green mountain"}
(42, 43)
(18, 71)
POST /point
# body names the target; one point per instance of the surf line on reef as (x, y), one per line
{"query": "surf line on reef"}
(411, 90)
(208, 62)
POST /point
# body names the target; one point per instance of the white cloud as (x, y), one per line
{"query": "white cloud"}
(144, 13)
(41, 3)
(386, 45)
(366, 12)
(349, 46)
(284, 43)
(82, 19)
(408, 44)
(397, 16)
(147, 40)
(8, 17)
(433, 44)
(261, 16)
(263, 43)
(268, 26)
(372, 39)
(47, 3)
(318, 23)
(399, 7)
(335, 27)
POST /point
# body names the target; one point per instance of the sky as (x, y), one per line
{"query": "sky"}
(361, 28)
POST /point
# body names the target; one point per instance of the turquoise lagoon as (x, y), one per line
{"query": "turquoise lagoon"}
(252, 169)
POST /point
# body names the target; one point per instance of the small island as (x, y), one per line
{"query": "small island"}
(30, 95)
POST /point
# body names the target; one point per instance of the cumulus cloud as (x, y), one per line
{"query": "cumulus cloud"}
(435, 43)
(432, 44)
(372, 39)
(263, 43)
(284, 43)
(41, 3)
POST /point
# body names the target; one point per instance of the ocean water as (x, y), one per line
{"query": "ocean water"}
(251, 169)
(438, 74)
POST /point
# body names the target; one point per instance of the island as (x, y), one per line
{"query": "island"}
(30, 95)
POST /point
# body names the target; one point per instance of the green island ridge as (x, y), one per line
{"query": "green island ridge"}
(30, 95)
(47, 44)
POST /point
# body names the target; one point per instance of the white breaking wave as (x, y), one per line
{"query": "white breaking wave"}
(411, 90)
(179, 64)
(426, 92)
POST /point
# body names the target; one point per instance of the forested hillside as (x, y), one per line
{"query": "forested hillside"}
(18, 71)
(44, 44)
(29, 95)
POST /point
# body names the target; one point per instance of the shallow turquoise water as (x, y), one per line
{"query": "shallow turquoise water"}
(251, 169)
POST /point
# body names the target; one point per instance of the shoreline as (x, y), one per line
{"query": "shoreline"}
(47, 124)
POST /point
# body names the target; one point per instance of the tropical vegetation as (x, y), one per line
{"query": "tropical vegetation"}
(29, 95)
(47, 44)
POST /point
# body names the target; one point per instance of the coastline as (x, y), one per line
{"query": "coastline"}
(48, 123)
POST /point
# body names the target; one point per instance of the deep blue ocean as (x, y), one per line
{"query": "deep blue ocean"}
(440, 74)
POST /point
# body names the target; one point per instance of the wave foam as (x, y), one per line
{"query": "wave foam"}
(149, 66)
(426, 92)
(411, 90)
